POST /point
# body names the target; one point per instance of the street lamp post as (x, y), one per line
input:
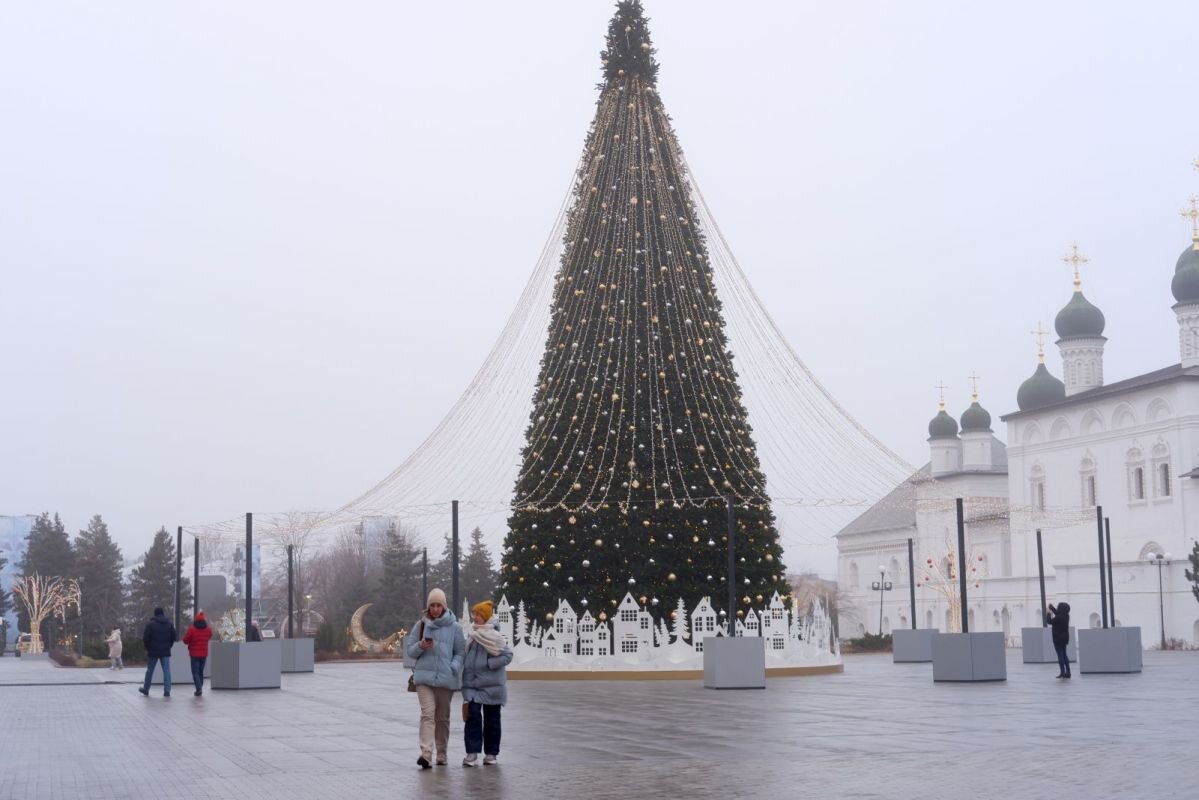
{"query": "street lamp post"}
(1161, 559)
(882, 585)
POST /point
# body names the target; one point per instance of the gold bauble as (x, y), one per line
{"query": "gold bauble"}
(671, 577)
(599, 542)
(769, 557)
(571, 519)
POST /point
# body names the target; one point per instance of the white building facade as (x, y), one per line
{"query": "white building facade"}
(1077, 450)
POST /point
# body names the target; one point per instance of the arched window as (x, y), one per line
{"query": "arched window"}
(1163, 478)
(1094, 620)
(1037, 487)
(1086, 471)
(854, 578)
(1138, 483)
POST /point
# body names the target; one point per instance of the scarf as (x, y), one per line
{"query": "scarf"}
(488, 638)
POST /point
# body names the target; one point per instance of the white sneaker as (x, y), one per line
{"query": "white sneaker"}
(470, 760)
(488, 760)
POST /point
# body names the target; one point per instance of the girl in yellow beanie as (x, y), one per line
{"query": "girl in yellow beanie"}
(484, 685)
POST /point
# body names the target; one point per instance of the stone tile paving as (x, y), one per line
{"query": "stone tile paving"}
(878, 731)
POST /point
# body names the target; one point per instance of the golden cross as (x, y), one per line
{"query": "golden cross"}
(974, 379)
(1040, 333)
(941, 387)
(1192, 214)
(1075, 259)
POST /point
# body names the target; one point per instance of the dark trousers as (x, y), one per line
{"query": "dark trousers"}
(483, 729)
(198, 672)
(1063, 661)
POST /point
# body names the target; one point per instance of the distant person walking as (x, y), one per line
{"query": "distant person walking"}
(115, 648)
(252, 632)
(436, 644)
(158, 637)
(484, 685)
(1059, 620)
(196, 638)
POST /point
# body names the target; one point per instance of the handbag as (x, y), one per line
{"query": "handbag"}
(412, 676)
(466, 711)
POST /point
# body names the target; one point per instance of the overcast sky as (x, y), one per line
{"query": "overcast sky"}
(252, 252)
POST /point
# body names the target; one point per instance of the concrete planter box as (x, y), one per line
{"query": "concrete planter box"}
(969, 657)
(734, 663)
(181, 667)
(1037, 644)
(1109, 650)
(912, 646)
(298, 655)
(246, 665)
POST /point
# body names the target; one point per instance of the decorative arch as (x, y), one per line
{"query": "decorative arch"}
(1149, 549)
(1061, 429)
(1123, 417)
(1092, 422)
(1031, 434)
(1158, 410)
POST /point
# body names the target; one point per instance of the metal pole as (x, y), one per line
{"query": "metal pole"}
(424, 580)
(1111, 581)
(1102, 566)
(454, 554)
(249, 570)
(732, 536)
(912, 582)
(1041, 574)
(881, 582)
(291, 589)
(196, 576)
(962, 564)
(178, 577)
(1161, 604)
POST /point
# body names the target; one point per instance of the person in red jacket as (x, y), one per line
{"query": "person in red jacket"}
(196, 639)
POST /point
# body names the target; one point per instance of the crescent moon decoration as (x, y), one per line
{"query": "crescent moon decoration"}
(366, 643)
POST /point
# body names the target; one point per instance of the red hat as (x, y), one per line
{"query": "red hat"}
(200, 615)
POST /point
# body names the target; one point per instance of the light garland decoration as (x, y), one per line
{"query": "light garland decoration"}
(44, 597)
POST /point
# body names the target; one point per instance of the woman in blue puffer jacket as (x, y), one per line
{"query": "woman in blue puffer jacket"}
(437, 646)
(484, 685)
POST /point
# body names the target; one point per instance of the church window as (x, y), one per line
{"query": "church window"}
(1088, 491)
(1138, 483)
(854, 578)
(1039, 493)
(1163, 479)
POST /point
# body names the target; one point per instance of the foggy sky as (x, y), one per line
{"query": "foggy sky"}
(251, 253)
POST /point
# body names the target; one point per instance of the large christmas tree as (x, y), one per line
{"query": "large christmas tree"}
(638, 433)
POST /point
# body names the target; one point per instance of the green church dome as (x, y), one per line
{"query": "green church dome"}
(1041, 389)
(942, 426)
(1185, 285)
(976, 418)
(1079, 319)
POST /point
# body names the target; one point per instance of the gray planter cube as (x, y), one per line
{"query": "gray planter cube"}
(246, 665)
(738, 662)
(912, 646)
(1037, 644)
(1109, 650)
(969, 657)
(297, 655)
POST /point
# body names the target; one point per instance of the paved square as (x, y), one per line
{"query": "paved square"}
(879, 730)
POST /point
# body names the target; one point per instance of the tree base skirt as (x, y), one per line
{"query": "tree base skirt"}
(658, 674)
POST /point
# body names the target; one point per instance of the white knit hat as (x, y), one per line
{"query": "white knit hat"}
(436, 596)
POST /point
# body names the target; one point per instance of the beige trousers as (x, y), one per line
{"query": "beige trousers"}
(434, 719)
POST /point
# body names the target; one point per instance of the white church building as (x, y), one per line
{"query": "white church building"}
(1130, 448)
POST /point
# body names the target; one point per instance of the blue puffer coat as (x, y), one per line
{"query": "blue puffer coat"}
(441, 666)
(484, 676)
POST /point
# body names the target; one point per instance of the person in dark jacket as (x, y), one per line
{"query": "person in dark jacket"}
(1059, 620)
(196, 639)
(158, 637)
(252, 632)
